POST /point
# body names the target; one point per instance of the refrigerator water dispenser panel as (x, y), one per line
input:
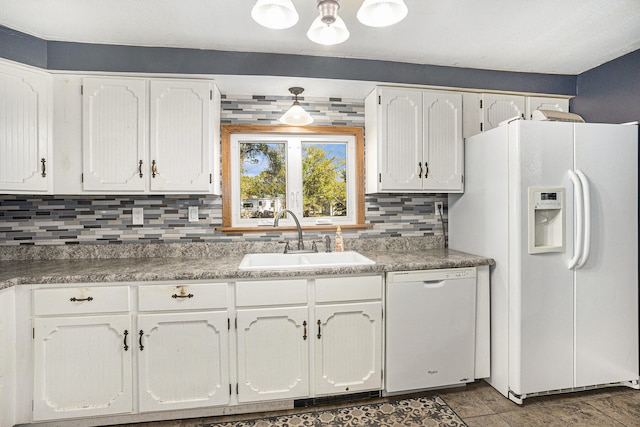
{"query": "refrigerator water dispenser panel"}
(546, 220)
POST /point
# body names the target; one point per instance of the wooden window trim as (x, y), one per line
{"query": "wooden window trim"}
(228, 130)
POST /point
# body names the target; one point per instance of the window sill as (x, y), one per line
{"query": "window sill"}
(265, 229)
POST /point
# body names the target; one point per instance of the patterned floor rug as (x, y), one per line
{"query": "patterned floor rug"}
(423, 411)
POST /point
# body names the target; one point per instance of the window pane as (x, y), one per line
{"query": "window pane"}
(263, 179)
(324, 179)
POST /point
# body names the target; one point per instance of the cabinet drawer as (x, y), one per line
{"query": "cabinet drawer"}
(89, 300)
(273, 292)
(348, 288)
(182, 297)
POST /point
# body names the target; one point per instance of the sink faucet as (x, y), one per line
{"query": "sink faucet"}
(277, 219)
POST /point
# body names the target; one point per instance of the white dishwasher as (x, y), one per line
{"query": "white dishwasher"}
(430, 329)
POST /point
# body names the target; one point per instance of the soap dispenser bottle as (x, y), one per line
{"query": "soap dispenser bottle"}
(339, 242)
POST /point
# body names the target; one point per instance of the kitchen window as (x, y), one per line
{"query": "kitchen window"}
(314, 171)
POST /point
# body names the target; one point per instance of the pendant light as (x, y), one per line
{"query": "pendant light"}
(382, 13)
(275, 14)
(328, 28)
(296, 115)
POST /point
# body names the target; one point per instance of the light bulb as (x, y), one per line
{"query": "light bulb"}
(321, 33)
(275, 14)
(382, 13)
(296, 116)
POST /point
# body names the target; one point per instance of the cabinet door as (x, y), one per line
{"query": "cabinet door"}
(348, 347)
(82, 366)
(401, 131)
(183, 360)
(443, 149)
(539, 103)
(24, 125)
(497, 108)
(180, 135)
(273, 353)
(114, 134)
(7, 357)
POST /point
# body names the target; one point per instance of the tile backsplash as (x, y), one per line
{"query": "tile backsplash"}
(51, 220)
(58, 220)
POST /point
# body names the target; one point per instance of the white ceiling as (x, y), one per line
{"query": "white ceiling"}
(546, 36)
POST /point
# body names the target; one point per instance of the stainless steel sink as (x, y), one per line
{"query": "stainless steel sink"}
(303, 261)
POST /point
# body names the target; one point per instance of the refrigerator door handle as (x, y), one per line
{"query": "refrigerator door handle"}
(586, 242)
(577, 194)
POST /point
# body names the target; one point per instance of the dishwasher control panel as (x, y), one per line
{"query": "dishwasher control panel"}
(430, 275)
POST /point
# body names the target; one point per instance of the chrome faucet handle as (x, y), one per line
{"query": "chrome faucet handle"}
(286, 246)
(314, 247)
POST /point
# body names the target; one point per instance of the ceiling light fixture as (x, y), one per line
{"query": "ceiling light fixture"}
(328, 28)
(296, 115)
(275, 14)
(382, 13)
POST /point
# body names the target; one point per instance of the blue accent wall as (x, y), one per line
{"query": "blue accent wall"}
(23, 48)
(78, 57)
(610, 93)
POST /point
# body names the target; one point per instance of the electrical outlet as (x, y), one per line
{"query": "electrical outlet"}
(439, 209)
(137, 216)
(193, 214)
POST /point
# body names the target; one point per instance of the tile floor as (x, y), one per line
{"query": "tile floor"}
(479, 405)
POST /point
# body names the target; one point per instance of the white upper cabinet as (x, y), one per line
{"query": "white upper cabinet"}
(114, 134)
(484, 111)
(496, 108)
(413, 141)
(180, 146)
(141, 135)
(540, 103)
(443, 150)
(24, 130)
(401, 139)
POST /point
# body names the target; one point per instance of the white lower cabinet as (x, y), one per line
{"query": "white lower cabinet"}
(82, 366)
(348, 347)
(280, 329)
(7, 357)
(182, 346)
(122, 349)
(85, 342)
(82, 352)
(182, 360)
(273, 353)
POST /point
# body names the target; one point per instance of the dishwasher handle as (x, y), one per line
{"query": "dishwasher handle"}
(432, 284)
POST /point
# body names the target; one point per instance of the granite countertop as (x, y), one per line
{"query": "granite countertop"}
(68, 271)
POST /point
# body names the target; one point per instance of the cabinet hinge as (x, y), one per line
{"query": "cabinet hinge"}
(382, 375)
(236, 323)
(229, 328)
(237, 392)
(481, 126)
(382, 313)
(462, 177)
(81, 89)
(82, 177)
(379, 100)
(211, 94)
(379, 177)
(33, 333)
(481, 103)
(230, 389)
(210, 178)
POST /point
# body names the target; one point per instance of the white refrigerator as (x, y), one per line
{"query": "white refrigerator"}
(556, 206)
